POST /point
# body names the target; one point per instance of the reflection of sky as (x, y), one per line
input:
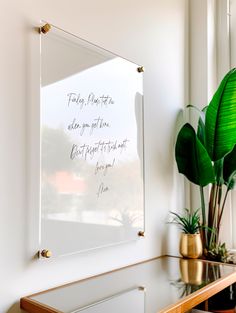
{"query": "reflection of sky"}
(116, 78)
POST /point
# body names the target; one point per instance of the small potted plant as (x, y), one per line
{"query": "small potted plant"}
(190, 240)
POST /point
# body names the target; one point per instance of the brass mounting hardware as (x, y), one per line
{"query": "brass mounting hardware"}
(141, 233)
(46, 253)
(45, 28)
(141, 288)
(140, 69)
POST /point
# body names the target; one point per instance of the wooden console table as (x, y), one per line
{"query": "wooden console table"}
(165, 284)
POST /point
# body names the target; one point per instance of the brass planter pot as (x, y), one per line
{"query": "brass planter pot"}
(190, 246)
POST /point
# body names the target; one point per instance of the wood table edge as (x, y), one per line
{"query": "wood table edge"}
(33, 306)
(200, 295)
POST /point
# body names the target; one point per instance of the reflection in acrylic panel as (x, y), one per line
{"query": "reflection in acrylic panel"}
(132, 301)
(91, 146)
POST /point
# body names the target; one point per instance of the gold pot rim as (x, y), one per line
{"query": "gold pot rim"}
(196, 234)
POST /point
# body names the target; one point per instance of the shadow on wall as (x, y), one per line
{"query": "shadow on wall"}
(176, 191)
(15, 308)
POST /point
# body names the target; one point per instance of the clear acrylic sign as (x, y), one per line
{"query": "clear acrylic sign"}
(91, 146)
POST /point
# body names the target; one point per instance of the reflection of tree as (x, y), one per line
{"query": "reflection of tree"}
(55, 161)
(56, 148)
(55, 151)
(72, 186)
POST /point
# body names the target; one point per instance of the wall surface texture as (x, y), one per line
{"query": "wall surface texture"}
(153, 33)
(231, 58)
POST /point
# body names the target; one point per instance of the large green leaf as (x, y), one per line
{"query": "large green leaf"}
(220, 124)
(192, 158)
(201, 126)
(201, 121)
(229, 169)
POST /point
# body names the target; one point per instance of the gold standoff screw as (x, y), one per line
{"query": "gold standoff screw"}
(140, 69)
(141, 233)
(45, 28)
(46, 253)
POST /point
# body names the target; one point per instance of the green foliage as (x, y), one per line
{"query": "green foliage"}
(192, 158)
(208, 155)
(221, 118)
(189, 223)
(229, 170)
(218, 253)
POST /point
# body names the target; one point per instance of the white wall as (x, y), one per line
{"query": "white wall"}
(232, 60)
(152, 33)
(232, 4)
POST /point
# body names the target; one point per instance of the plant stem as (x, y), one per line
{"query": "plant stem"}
(218, 212)
(223, 206)
(218, 165)
(211, 202)
(213, 232)
(203, 214)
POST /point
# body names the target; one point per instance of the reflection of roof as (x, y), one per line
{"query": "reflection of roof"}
(66, 182)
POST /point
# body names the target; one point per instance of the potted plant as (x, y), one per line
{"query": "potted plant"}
(207, 155)
(190, 241)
